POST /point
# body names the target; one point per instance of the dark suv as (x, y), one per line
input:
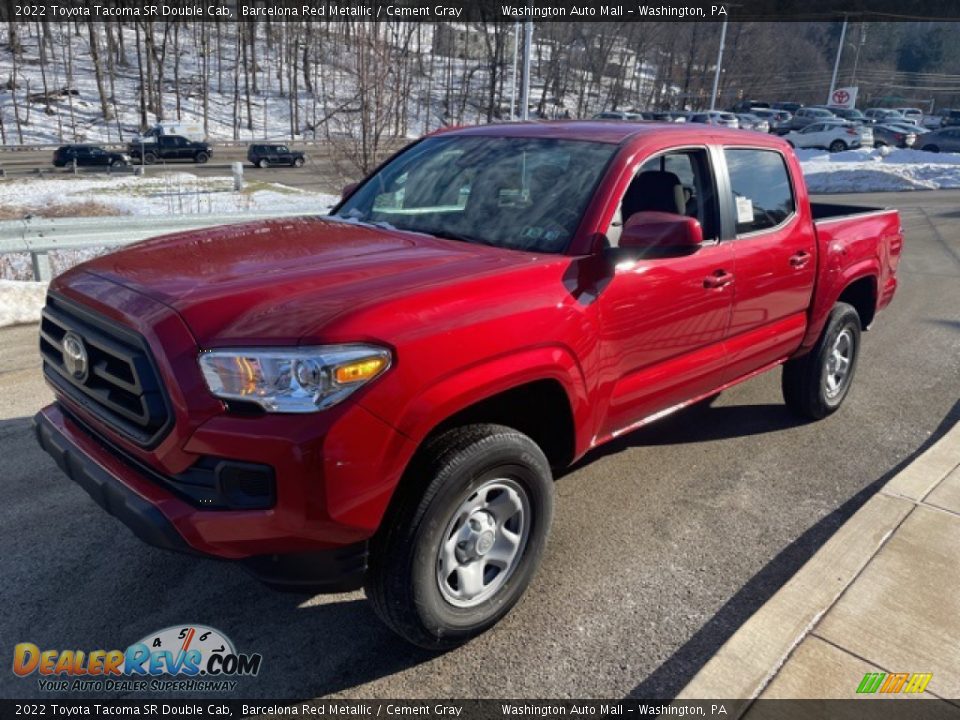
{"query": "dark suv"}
(88, 155)
(267, 155)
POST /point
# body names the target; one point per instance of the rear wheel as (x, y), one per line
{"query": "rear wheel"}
(117, 163)
(837, 146)
(816, 384)
(149, 159)
(455, 557)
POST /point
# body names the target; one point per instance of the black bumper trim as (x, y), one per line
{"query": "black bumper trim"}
(142, 517)
(338, 570)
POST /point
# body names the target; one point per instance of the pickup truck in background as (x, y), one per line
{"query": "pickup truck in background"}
(380, 397)
(149, 149)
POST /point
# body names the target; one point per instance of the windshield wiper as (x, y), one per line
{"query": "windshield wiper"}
(451, 235)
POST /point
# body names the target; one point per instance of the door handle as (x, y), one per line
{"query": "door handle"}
(799, 259)
(719, 279)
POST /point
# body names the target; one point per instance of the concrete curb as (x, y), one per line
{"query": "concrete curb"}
(756, 652)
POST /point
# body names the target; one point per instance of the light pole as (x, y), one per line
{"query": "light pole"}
(527, 48)
(716, 75)
(513, 88)
(836, 64)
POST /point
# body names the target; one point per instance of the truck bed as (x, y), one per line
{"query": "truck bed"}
(837, 211)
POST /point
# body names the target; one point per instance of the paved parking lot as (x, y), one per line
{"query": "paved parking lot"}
(663, 544)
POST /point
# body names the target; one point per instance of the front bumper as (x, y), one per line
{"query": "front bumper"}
(159, 518)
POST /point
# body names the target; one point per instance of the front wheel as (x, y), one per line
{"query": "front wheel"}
(930, 148)
(263, 164)
(201, 158)
(298, 163)
(456, 555)
(837, 146)
(816, 384)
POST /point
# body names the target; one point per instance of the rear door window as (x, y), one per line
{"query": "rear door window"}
(762, 193)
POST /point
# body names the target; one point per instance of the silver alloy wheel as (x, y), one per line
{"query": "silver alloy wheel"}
(839, 361)
(483, 542)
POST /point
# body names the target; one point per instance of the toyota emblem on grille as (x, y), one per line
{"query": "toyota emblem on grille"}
(75, 356)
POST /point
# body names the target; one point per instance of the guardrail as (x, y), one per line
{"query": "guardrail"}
(40, 236)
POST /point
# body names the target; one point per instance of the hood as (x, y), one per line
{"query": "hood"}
(280, 280)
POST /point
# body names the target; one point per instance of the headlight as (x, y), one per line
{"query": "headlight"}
(292, 380)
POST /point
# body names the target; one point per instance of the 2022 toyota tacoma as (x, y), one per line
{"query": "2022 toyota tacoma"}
(378, 396)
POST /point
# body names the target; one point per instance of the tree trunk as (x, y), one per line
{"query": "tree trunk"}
(98, 72)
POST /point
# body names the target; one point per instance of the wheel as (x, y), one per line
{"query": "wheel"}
(879, 144)
(837, 146)
(149, 159)
(930, 148)
(816, 384)
(298, 162)
(117, 163)
(263, 163)
(201, 158)
(454, 557)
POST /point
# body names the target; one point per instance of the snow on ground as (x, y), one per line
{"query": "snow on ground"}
(21, 302)
(168, 193)
(879, 170)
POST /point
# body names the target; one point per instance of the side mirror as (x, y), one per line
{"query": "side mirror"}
(348, 190)
(657, 232)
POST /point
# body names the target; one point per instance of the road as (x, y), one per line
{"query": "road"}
(663, 543)
(321, 173)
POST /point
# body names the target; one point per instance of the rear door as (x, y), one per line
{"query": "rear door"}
(775, 253)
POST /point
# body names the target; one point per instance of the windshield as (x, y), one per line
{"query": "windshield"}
(519, 193)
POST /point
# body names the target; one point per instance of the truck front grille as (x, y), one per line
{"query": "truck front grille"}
(105, 369)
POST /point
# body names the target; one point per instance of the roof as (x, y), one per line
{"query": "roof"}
(607, 131)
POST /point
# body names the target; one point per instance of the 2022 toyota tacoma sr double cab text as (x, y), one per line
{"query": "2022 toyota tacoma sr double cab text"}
(378, 397)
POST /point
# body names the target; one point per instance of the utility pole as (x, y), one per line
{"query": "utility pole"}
(836, 64)
(527, 51)
(513, 88)
(716, 75)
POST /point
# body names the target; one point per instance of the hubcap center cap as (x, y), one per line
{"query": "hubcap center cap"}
(485, 542)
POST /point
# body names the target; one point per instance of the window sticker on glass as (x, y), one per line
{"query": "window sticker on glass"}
(744, 210)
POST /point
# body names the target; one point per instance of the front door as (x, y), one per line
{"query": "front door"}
(663, 320)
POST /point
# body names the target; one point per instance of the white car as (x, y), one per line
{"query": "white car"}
(716, 117)
(833, 136)
(913, 115)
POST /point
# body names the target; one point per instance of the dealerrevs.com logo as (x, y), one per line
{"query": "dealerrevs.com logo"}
(179, 658)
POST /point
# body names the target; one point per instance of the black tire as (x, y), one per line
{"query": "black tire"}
(201, 158)
(149, 159)
(837, 146)
(262, 163)
(403, 583)
(805, 379)
(879, 144)
(298, 162)
(117, 163)
(930, 148)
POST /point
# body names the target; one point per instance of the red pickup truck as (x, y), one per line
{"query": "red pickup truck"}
(377, 397)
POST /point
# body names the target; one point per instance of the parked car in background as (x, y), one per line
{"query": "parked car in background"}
(748, 106)
(944, 140)
(790, 107)
(876, 115)
(618, 115)
(893, 135)
(949, 117)
(779, 120)
(914, 115)
(851, 114)
(264, 155)
(669, 116)
(716, 117)
(806, 115)
(833, 136)
(864, 130)
(749, 121)
(88, 156)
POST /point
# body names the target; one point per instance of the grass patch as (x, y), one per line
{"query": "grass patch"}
(88, 208)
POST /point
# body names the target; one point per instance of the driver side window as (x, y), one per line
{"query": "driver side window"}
(677, 181)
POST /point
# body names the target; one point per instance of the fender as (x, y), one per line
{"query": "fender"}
(486, 378)
(829, 292)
